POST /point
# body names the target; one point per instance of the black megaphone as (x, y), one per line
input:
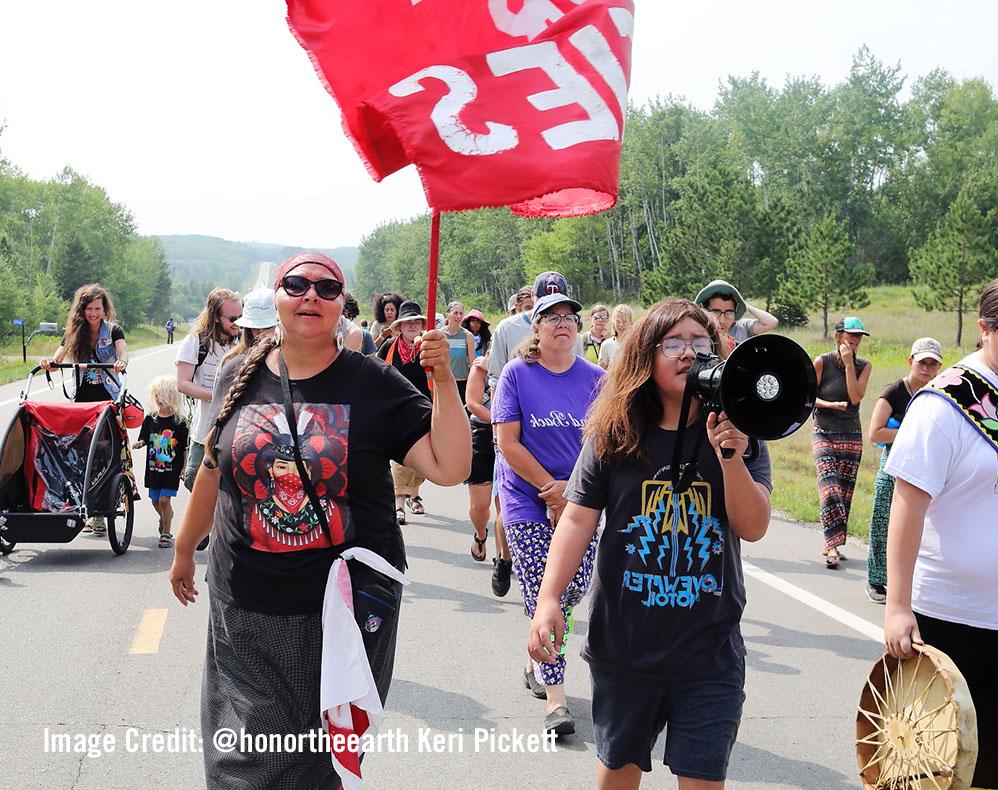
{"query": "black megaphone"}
(767, 386)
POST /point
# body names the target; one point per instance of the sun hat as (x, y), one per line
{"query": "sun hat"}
(926, 347)
(548, 301)
(721, 288)
(851, 325)
(408, 311)
(258, 310)
(476, 315)
(309, 257)
(550, 283)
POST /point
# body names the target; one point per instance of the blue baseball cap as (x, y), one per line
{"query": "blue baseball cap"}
(550, 283)
(545, 303)
(852, 325)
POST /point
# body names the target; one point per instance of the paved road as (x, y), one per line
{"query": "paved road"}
(73, 614)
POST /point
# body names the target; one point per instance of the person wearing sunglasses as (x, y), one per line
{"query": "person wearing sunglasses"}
(663, 643)
(538, 411)
(199, 356)
(599, 330)
(722, 300)
(296, 471)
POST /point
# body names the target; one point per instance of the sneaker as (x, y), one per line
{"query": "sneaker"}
(877, 593)
(501, 571)
(559, 721)
(530, 681)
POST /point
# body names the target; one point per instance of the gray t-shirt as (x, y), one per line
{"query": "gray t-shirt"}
(742, 329)
(668, 592)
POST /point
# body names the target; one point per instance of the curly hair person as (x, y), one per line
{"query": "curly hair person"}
(78, 342)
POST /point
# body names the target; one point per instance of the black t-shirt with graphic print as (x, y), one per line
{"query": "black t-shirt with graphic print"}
(269, 552)
(667, 592)
(166, 449)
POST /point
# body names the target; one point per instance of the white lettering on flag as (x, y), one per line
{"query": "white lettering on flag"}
(446, 114)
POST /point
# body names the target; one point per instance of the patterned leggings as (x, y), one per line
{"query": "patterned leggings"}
(529, 542)
(883, 493)
(836, 457)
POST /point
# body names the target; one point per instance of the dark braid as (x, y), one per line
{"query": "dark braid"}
(247, 370)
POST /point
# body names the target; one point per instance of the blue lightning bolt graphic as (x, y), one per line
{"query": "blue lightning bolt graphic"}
(704, 551)
(688, 548)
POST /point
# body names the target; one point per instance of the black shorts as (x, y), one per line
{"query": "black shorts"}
(483, 455)
(701, 719)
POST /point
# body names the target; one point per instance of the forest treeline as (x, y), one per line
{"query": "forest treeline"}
(59, 234)
(801, 195)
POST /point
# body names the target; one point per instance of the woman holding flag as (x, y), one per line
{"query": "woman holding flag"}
(296, 473)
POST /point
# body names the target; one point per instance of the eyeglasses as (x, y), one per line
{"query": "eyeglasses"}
(723, 313)
(233, 318)
(600, 316)
(674, 347)
(296, 285)
(553, 319)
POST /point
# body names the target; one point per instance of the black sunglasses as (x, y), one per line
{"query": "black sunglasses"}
(296, 285)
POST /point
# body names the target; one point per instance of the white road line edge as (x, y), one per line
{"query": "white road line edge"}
(134, 358)
(854, 622)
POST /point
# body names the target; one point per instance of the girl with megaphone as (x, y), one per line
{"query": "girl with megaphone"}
(664, 642)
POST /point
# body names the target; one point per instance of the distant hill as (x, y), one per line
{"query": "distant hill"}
(200, 263)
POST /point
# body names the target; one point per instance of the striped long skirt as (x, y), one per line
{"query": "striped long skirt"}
(883, 493)
(836, 459)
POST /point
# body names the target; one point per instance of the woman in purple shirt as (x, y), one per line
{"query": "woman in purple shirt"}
(539, 411)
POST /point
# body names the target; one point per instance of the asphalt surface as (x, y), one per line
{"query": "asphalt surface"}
(102, 667)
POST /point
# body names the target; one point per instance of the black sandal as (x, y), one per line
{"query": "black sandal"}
(400, 516)
(480, 542)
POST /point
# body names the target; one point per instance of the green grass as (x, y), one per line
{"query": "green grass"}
(894, 321)
(13, 369)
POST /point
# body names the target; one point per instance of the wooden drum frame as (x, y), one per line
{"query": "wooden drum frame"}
(916, 727)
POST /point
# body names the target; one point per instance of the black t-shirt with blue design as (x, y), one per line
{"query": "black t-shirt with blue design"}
(668, 591)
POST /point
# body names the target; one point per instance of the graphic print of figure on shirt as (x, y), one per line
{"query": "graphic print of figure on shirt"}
(676, 548)
(278, 515)
(163, 450)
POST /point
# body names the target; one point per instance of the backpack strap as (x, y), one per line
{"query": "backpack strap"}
(970, 394)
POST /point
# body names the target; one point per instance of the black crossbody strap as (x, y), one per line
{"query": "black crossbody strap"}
(289, 413)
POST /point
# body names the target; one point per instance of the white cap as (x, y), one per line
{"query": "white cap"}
(258, 310)
(926, 347)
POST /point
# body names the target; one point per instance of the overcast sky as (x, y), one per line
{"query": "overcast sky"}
(207, 117)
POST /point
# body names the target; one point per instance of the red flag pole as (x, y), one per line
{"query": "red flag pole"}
(431, 287)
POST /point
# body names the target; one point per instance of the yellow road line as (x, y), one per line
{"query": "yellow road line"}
(149, 632)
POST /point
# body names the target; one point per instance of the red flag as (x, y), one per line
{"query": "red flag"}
(494, 106)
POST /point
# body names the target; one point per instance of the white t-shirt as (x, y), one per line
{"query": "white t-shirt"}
(938, 451)
(204, 376)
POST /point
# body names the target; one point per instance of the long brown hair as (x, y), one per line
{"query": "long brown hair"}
(207, 324)
(628, 406)
(247, 369)
(79, 342)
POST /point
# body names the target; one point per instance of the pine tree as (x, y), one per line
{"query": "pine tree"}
(820, 271)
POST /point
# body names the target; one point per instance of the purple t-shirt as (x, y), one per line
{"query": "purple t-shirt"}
(551, 409)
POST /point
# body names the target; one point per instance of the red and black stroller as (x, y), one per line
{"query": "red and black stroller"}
(63, 463)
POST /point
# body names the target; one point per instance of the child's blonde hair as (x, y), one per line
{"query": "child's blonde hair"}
(164, 389)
